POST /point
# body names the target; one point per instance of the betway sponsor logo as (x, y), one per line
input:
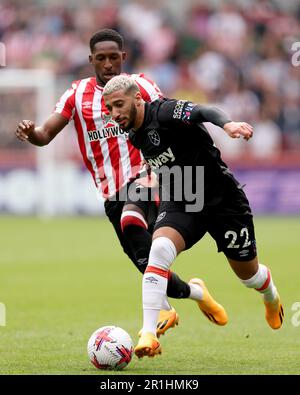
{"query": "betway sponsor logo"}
(161, 159)
(105, 133)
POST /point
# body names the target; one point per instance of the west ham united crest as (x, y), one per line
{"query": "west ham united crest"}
(154, 137)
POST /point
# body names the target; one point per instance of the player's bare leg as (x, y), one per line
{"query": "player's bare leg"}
(257, 276)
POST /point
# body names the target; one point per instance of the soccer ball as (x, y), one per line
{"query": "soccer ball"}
(110, 347)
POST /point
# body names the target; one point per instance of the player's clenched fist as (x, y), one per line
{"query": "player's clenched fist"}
(238, 129)
(24, 129)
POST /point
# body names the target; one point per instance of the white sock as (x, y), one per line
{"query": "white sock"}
(263, 283)
(196, 292)
(165, 304)
(155, 281)
(154, 290)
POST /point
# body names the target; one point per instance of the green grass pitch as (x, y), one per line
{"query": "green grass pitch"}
(61, 279)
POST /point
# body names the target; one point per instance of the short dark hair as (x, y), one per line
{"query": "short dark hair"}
(106, 35)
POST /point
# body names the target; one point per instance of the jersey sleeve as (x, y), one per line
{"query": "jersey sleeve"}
(148, 88)
(186, 112)
(66, 104)
(175, 111)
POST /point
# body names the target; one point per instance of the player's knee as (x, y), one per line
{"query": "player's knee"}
(132, 218)
(163, 253)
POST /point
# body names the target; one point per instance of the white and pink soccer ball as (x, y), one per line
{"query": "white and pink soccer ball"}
(110, 347)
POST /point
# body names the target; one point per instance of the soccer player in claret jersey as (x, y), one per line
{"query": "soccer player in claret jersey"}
(171, 133)
(110, 157)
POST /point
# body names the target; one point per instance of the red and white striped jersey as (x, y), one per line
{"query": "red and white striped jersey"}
(105, 148)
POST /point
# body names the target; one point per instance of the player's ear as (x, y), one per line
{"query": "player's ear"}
(138, 98)
(90, 58)
(124, 56)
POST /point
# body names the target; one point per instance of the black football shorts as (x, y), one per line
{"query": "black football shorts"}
(230, 223)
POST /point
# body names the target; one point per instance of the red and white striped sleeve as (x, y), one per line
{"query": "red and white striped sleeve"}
(149, 90)
(66, 104)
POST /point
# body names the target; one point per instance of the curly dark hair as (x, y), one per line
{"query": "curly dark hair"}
(106, 35)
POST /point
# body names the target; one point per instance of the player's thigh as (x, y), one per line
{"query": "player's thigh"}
(145, 206)
(186, 224)
(113, 210)
(171, 234)
(234, 235)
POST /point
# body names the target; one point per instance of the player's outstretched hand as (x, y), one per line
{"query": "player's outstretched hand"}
(150, 181)
(24, 129)
(238, 129)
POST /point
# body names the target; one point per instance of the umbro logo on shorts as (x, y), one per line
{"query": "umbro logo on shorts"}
(142, 261)
(244, 253)
(161, 216)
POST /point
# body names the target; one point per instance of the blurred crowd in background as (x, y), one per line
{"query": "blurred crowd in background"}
(234, 54)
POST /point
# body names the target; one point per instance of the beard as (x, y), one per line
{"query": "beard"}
(131, 118)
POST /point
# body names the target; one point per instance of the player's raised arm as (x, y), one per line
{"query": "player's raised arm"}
(192, 113)
(218, 117)
(41, 135)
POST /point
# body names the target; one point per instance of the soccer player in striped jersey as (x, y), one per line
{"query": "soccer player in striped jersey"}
(110, 157)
